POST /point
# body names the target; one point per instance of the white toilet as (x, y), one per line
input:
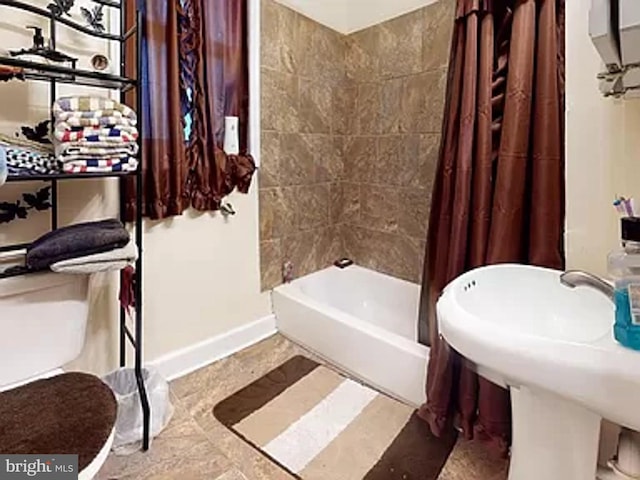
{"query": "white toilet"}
(43, 319)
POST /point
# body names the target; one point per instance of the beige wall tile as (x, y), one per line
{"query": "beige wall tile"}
(280, 101)
(400, 46)
(312, 206)
(413, 211)
(301, 250)
(436, 36)
(296, 160)
(316, 106)
(344, 103)
(359, 153)
(325, 52)
(277, 212)
(271, 264)
(390, 106)
(379, 207)
(330, 246)
(328, 158)
(362, 57)
(427, 160)
(269, 173)
(367, 111)
(345, 203)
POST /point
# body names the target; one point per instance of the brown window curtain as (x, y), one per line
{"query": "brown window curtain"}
(499, 190)
(164, 162)
(214, 41)
(195, 62)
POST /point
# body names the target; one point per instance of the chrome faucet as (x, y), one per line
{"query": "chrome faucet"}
(578, 278)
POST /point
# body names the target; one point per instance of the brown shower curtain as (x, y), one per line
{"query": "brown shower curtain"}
(499, 190)
(195, 62)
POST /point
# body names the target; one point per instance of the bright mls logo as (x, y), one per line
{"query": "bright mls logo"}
(50, 467)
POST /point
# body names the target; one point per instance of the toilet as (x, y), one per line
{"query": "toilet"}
(43, 319)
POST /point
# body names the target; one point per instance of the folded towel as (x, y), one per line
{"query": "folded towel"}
(36, 162)
(4, 168)
(26, 144)
(116, 259)
(97, 106)
(72, 151)
(76, 241)
(123, 134)
(71, 120)
(126, 164)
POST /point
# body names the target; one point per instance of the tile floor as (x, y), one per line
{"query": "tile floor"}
(195, 446)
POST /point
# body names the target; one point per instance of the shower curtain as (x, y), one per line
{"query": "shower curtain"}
(499, 190)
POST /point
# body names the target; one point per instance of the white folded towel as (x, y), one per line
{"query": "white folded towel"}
(99, 262)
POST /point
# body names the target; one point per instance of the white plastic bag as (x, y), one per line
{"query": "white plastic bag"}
(128, 436)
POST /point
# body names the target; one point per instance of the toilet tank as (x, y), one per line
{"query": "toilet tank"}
(43, 319)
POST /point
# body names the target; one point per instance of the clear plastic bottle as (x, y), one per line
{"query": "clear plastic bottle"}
(624, 267)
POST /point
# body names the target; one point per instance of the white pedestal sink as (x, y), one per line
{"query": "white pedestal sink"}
(553, 347)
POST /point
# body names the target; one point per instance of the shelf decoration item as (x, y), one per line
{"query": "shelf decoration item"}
(38, 133)
(94, 17)
(39, 201)
(45, 51)
(58, 7)
(100, 63)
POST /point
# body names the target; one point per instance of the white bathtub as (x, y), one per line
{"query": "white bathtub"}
(362, 321)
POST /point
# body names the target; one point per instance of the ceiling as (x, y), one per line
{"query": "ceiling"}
(348, 16)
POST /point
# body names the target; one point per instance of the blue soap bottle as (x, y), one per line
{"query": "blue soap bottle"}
(624, 267)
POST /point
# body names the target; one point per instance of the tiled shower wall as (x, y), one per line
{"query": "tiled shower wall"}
(398, 74)
(303, 131)
(350, 133)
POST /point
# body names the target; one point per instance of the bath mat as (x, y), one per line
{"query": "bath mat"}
(319, 425)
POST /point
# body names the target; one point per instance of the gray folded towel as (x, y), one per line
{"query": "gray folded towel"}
(99, 262)
(76, 241)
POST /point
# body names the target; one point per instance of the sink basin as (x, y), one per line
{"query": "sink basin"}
(553, 347)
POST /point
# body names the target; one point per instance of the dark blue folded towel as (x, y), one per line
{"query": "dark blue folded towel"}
(76, 241)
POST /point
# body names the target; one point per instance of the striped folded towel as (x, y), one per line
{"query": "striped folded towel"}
(125, 164)
(125, 133)
(90, 107)
(95, 135)
(74, 151)
(69, 121)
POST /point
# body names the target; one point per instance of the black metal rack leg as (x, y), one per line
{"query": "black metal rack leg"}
(146, 411)
(123, 335)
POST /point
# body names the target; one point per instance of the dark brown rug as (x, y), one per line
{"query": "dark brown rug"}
(319, 425)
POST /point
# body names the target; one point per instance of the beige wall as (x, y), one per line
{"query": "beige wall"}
(201, 272)
(602, 148)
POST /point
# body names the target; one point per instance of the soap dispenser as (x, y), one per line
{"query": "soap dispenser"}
(624, 268)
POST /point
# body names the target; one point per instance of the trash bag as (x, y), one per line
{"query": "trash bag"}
(128, 435)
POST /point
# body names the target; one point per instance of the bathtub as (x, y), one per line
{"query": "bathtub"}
(363, 321)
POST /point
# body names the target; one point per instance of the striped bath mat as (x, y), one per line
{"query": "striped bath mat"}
(319, 425)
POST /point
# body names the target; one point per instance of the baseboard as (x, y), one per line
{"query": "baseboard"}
(186, 360)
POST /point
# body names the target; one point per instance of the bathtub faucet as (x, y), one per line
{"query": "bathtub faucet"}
(287, 272)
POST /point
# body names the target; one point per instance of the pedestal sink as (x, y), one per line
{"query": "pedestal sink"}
(553, 347)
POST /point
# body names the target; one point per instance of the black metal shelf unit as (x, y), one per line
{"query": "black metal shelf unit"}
(55, 74)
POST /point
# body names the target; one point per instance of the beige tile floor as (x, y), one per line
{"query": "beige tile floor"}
(195, 446)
